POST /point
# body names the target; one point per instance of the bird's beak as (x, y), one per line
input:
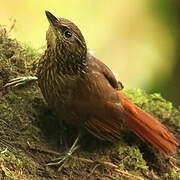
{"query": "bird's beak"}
(53, 20)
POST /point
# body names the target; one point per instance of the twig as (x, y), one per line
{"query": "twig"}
(110, 165)
(12, 26)
(43, 150)
(174, 166)
(92, 171)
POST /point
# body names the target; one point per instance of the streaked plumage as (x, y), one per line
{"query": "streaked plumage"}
(84, 92)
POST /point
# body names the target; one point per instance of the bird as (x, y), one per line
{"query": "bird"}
(84, 92)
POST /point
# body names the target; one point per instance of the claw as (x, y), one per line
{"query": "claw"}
(63, 159)
(20, 81)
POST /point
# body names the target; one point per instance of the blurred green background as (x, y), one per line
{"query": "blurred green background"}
(139, 40)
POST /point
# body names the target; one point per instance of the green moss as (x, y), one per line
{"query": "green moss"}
(13, 164)
(29, 129)
(131, 157)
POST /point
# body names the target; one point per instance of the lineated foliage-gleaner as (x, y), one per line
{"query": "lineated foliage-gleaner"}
(84, 92)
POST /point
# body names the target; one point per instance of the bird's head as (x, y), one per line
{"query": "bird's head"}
(65, 38)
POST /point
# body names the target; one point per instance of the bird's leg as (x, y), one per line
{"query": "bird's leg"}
(20, 81)
(62, 159)
(63, 133)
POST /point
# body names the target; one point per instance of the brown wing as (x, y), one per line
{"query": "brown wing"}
(103, 103)
(107, 73)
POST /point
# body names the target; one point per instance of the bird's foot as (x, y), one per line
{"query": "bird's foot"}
(60, 161)
(20, 81)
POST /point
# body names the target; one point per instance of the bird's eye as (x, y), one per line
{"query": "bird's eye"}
(67, 34)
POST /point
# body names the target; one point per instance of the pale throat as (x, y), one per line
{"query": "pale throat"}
(51, 38)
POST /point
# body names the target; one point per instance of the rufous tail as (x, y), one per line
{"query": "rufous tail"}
(147, 127)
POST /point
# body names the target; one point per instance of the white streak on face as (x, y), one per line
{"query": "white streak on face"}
(92, 52)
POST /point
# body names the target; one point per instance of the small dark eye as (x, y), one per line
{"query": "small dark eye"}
(67, 34)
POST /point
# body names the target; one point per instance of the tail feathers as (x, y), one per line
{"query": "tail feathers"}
(147, 127)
